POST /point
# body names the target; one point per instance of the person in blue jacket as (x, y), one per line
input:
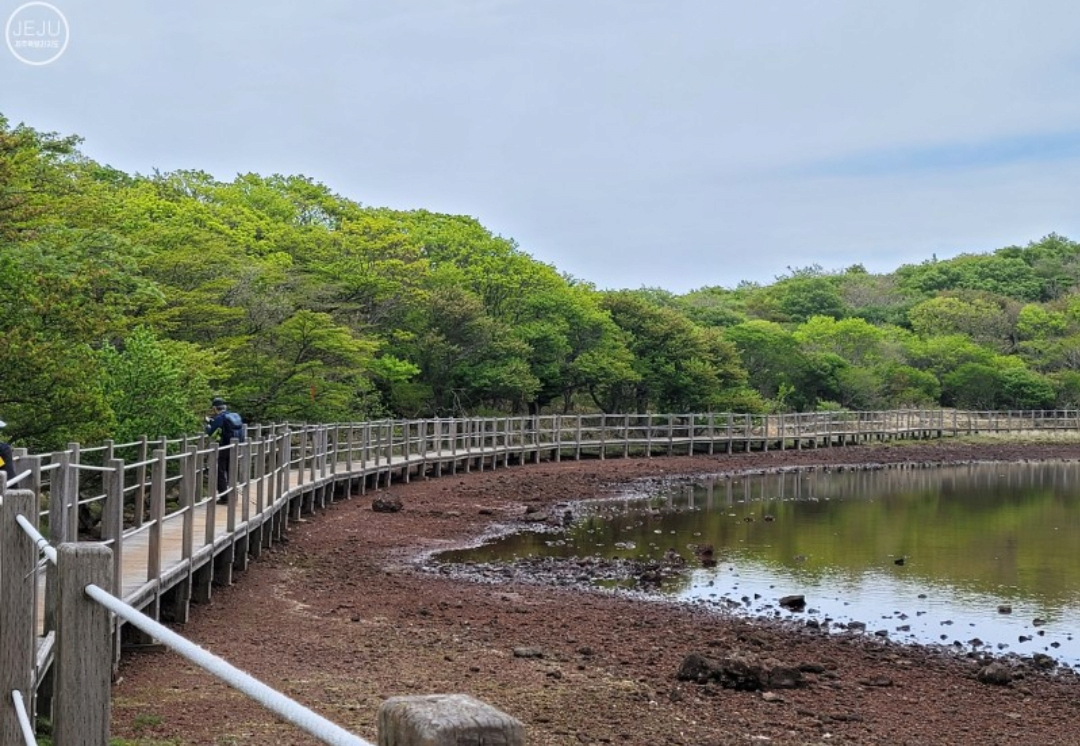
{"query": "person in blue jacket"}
(7, 458)
(229, 427)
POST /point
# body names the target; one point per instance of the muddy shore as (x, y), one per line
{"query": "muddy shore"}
(346, 613)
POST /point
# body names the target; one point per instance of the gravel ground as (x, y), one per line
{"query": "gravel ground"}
(346, 612)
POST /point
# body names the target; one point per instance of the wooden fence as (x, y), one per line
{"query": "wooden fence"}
(153, 503)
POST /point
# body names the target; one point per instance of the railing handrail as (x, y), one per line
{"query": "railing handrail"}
(280, 704)
(24, 718)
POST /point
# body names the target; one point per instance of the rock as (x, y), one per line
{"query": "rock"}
(526, 652)
(385, 504)
(779, 676)
(1043, 661)
(1004, 609)
(996, 673)
(740, 671)
(794, 602)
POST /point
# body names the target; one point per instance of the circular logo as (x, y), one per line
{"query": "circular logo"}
(37, 33)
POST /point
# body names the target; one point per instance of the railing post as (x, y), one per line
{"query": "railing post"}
(334, 438)
(112, 516)
(33, 483)
(406, 448)
(378, 450)
(140, 477)
(81, 703)
(71, 498)
(232, 453)
(18, 589)
(350, 444)
(260, 475)
(189, 491)
(241, 480)
(480, 430)
(454, 429)
(577, 454)
(58, 515)
(425, 449)
(285, 464)
(364, 457)
(556, 423)
(210, 470)
(157, 515)
(445, 720)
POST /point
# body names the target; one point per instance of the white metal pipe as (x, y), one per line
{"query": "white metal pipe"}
(42, 543)
(273, 700)
(24, 718)
(15, 479)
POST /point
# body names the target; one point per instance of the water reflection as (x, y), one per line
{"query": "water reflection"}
(974, 555)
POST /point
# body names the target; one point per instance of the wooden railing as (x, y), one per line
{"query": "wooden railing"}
(154, 505)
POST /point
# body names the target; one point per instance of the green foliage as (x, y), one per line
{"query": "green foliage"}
(679, 366)
(855, 340)
(878, 299)
(154, 386)
(777, 368)
(1037, 322)
(129, 298)
(978, 318)
(1000, 274)
(712, 306)
(796, 298)
(1002, 386)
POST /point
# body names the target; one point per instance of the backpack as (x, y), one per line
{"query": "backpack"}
(233, 428)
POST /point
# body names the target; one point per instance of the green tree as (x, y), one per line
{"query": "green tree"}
(307, 368)
(154, 387)
(775, 365)
(855, 340)
(574, 346)
(679, 367)
(1036, 322)
(978, 318)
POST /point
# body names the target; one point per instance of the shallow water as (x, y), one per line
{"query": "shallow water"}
(980, 556)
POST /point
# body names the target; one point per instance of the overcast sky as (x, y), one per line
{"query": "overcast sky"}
(660, 143)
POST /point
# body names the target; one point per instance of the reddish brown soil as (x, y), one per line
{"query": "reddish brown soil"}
(341, 617)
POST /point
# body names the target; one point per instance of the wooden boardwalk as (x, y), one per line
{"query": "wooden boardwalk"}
(153, 502)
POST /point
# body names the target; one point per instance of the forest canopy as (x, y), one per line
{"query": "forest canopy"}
(129, 300)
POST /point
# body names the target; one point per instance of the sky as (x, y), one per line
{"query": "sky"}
(674, 144)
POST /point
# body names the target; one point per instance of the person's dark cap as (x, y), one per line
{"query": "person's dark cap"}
(217, 402)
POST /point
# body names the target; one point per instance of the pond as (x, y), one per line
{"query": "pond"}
(977, 557)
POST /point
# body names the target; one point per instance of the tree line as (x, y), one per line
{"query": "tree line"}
(129, 300)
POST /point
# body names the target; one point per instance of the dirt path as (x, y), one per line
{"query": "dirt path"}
(342, 616)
